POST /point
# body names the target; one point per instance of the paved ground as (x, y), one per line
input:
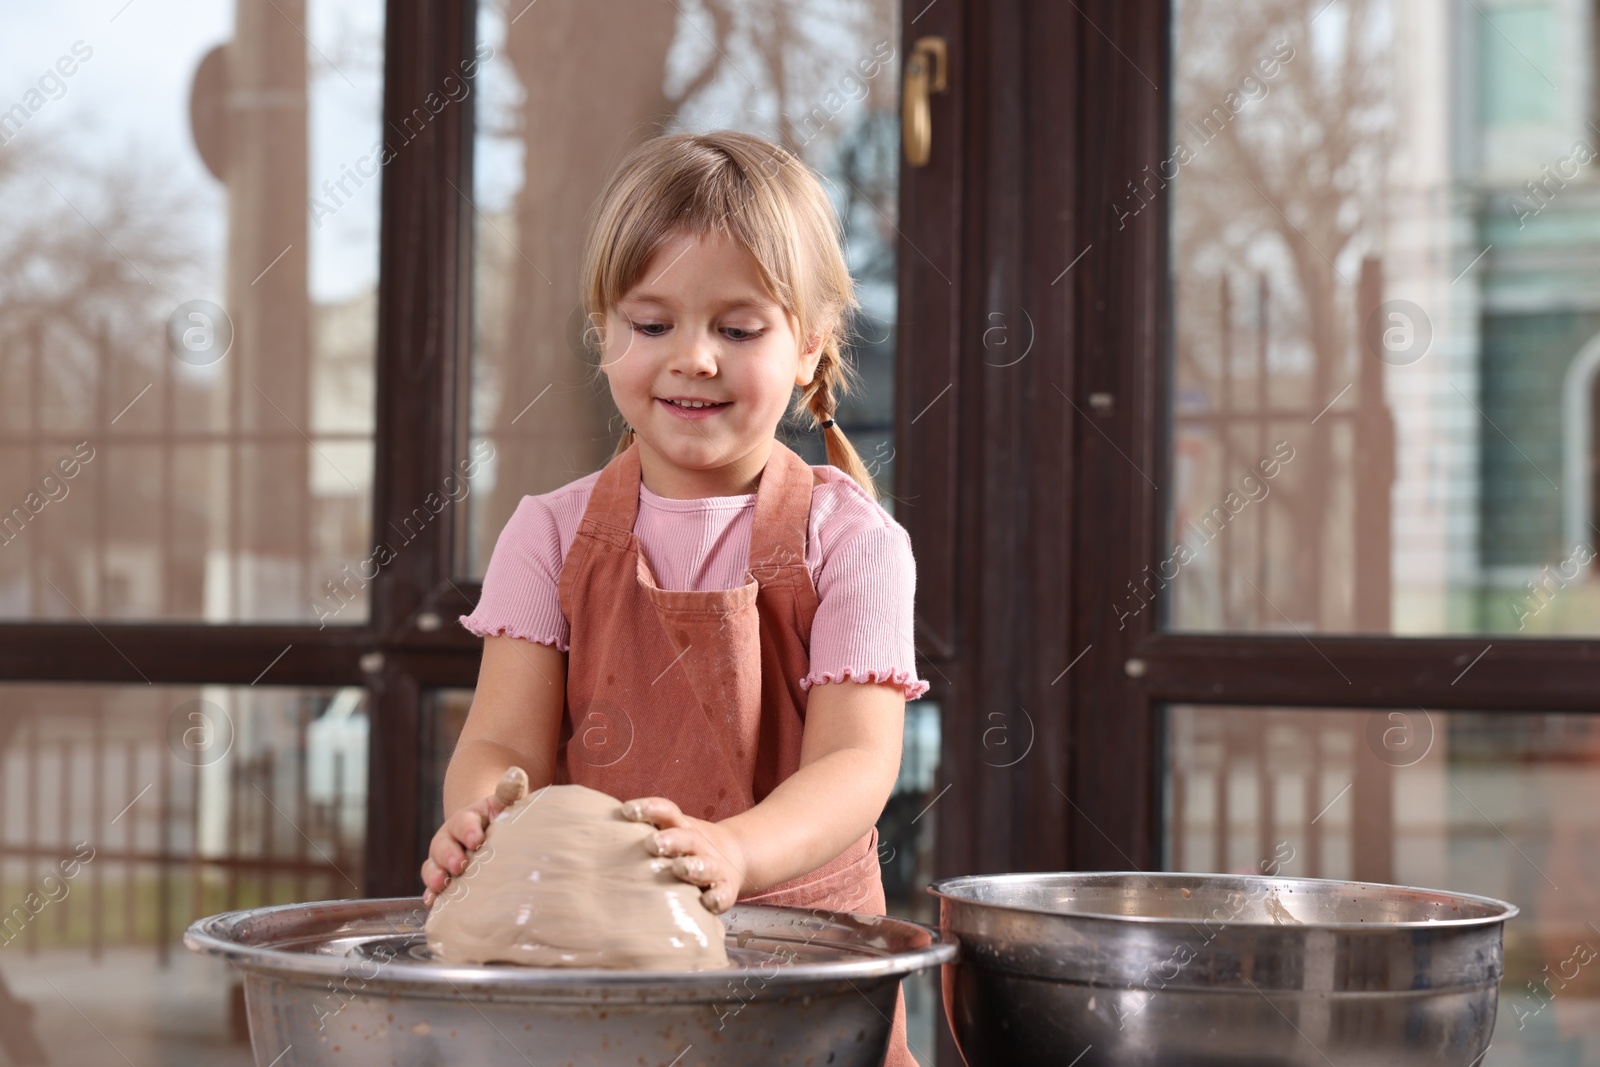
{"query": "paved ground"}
(125, 1010)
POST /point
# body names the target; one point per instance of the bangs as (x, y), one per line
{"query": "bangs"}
(682, 187)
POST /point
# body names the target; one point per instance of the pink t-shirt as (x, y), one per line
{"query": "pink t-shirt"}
(859, 558)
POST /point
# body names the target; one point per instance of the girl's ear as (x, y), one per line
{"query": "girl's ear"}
(810, 356)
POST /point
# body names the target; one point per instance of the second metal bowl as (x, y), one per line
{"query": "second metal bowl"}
(1197, 970)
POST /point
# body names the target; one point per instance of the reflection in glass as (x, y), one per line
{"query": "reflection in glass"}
(1503, 805)
(556, 114)
(128, 812)
(188, 310)
(1383, 248)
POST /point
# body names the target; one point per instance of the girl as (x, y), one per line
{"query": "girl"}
(707, 628)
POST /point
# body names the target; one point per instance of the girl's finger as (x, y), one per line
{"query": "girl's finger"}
(697, 870)
(434, 876)
(719, 898)
(658, 810)
(467, 827)
(448, 854)
(708, 873)
(675, 842)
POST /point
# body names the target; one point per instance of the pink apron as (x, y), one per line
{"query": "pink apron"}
(695, 696)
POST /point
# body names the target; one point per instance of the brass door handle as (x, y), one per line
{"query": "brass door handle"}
(926, 70)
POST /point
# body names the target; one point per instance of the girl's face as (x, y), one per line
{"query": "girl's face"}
(702, 364)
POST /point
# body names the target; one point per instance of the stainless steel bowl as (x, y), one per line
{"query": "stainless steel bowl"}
(1198, 970)
(351, 982)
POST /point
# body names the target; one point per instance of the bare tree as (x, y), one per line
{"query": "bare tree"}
(1282, 130)
(83, 299)
(1282, 177)
(94, 241)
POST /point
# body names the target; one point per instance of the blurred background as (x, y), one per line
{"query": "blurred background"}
(228, 409)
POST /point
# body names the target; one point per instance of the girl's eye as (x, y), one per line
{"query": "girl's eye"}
(650, 329)
(739, 333)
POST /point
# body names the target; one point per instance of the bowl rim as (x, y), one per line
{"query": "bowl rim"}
(945, 888)
(209, 936)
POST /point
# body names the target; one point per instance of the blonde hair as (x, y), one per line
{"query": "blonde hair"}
(736, 185)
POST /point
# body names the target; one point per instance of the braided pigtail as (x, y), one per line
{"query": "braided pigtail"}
(623, 442)
(821, 398)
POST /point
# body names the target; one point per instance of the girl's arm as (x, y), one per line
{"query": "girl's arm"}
(515, 721)
(849, 759)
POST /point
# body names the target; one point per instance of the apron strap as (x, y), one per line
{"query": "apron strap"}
(614, 500)
(781, 522)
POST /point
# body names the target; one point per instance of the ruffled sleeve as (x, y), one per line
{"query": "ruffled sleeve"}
(520, 593)
(862, 631)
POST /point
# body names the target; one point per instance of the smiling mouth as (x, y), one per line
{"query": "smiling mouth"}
(695, 405)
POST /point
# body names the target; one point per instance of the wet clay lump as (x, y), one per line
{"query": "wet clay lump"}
(563, 880)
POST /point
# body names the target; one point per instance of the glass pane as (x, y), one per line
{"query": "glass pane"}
(1497, 804)
(188, 310)
(1386, 341)
(906, 832)
(821, 79)
(128, 812)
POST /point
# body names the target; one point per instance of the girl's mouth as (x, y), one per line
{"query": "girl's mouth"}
(694, 410)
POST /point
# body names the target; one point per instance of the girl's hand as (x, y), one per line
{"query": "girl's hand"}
(461, 835)
(704, 853)
(514, 722)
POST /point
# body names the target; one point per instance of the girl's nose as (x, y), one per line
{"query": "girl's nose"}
(695, 355)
